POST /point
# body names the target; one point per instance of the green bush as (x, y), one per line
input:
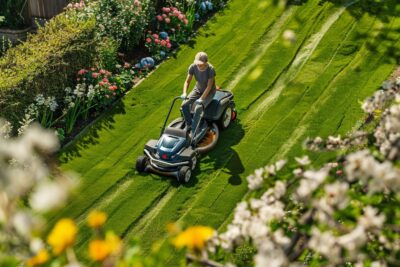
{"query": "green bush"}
(124, 20)
(46, 63)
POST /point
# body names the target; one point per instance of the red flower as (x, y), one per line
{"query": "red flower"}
(95, 75)
(82, 71)
(105, 80)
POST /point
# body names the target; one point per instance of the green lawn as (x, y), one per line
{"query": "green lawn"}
(283, 94)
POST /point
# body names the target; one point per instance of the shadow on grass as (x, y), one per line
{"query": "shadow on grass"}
(224, 157)
(382, 42)
(90, 135)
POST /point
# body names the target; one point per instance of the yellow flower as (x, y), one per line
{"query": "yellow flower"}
(194, 237)
(114, 243)
(39, 259)
(98, 250)
(172, 228)
(62, 236)
(96, 219)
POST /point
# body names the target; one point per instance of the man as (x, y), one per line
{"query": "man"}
(202, 93)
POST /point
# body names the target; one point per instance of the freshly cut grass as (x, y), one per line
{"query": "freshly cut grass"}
(283, 94)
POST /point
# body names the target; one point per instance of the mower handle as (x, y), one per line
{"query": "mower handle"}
(170, 109)
(169, 112)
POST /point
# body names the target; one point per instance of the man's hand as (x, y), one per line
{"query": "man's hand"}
(183, 96)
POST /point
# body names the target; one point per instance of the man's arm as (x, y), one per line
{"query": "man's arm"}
(187, 83)
(208, 89)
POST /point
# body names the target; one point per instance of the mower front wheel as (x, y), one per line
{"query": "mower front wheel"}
(184, 174)
(141, 163)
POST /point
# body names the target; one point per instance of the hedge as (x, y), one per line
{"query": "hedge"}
(46, 63)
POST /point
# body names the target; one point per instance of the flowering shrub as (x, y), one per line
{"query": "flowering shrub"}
(124, 21)
(158, 44)
(341, 214)
(172, 20)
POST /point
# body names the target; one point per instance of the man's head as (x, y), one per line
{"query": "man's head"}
(201, 59)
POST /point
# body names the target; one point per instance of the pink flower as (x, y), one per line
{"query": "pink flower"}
(92, 69)
(186, 21)
(114, 94)
(105, 80)
(136, 3)
(163, 42)
(148, 40)
(181, 17)
(78, 79)
(174, 8)
(164, 15)
(169, 45)
(101, 83)
(102, 71)
(159, 18)
(157, 41)
(126, 65)
(82, 71)
(166, 9)
(95, 75)
(155, 36)
(167, 20)
(177, 13)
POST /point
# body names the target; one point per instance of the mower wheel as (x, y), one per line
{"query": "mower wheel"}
(141, 163)
(226, 118)
(184, 174)
(193, 161)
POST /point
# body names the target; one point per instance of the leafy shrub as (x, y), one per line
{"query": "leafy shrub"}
(107, 50)
(46, 63)
(124, 21)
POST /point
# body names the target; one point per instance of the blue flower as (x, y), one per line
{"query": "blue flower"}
(162, 54)
(197, 16)
(163, 35)
(209, 5)
(203, 6)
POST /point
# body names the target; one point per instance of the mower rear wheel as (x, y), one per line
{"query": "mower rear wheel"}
(184, 174)
(141, 163)
(226, 118)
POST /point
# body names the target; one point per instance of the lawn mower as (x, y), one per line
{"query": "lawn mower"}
(176, 153)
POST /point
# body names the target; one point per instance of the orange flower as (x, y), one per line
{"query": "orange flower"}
(194, 237)
(96, 219)
(98, 250)
(62, 236)
(39, 259)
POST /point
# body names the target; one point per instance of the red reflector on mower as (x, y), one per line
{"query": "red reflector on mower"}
(233, 115)
(164, 156)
